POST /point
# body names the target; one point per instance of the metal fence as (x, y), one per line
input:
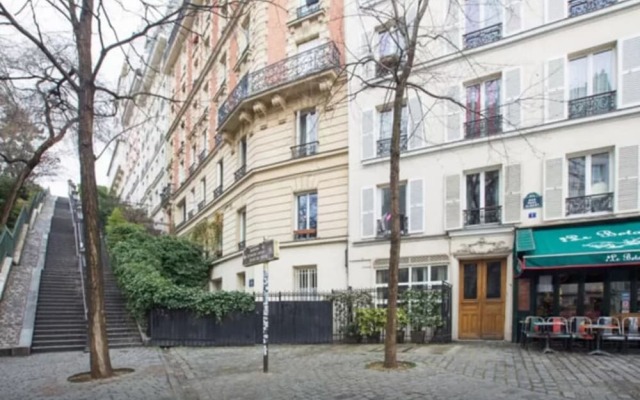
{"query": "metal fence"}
(9, 237)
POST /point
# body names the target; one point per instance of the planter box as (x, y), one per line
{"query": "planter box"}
(400, 337)
(418, 337)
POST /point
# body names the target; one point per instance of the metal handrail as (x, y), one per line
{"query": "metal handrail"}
(74, 206)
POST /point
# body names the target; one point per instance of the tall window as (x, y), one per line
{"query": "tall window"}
(386, 123)
(242, 228)
(245, 36)
(483, 109)
(203, 184)
(219, 173)
(305, 278)
(592, 84)
(590, 184)
(480, 14)
(306, 216)
(242, 149)
(384, 223)
(483, 198)
(194, 154)
(390, 43)
(203, 144)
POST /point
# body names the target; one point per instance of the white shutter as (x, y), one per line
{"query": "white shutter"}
(629, 86)
(555, 107)
(416, 206)
(454, 115)
(367, 213)
(452, 202)
(553, 200)
(416, 132)
(453, 27)
(512, 17)
(368, 139)
(511, 116)
(628, 178)
(555, 10)
(512, 195)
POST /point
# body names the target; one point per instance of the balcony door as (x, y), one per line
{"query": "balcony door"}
(482, 299)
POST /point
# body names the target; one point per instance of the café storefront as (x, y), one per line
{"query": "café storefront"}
(588, 270)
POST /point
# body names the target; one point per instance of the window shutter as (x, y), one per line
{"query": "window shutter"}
(367, 135)
(416, 206)
(555, 10)
(513, 17)
(512, 195)
(512, 118)
(416, 134)
(367, 217)
(453, 31)
(553, 201)
(454, 114)
(555, 107)
(452, 202)
(629, 85)
(628, 178)
(365, 52)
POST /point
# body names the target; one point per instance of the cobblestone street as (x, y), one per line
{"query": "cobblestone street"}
(455, 371)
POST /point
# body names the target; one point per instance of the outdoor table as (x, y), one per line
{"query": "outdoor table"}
(598, 329)
(546, 326)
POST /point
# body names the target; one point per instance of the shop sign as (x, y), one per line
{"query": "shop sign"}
(622, 257)
(532, 200)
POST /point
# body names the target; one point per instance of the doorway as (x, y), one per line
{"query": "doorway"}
(482, 299)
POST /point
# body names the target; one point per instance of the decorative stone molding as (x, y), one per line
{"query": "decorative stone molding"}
(482, 246)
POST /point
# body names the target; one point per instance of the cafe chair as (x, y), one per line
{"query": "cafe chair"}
(530, 331)
(630, 330)
(580, 331)
(559, 330)
(613, 334)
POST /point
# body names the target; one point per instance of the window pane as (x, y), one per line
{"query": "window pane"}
(593, 299)
(577, 176)
(603, 72)
(473, 102)
(473, 191)
(419, 274)
(302, 211)
(568, 300)
(403, 199)
(470, 281)
(404, 121)
(578, 78)
(492, 97)
(494, 280)
(386, 123)
(382, 276)
(313, 210)
(491, 188)
(472, 14)
(403, 275)
(439, 273)
(600, 173)
(385, 211)
(620, 297)
(302, 128)
(492, 12)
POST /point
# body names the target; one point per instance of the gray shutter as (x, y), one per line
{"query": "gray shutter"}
(416, 206)
(416, 133)
(367, 212)
(628, 178)
(452, 202)
(454, 115)
(555, 10)
(629, 72)
(513, 17)
(553, 201)
(512, 195)
(368, 138)
(512, 117)
(555, 107)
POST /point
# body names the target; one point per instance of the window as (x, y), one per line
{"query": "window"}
(219, 179)
(384, 223)
(482, 22)
(182, 210)
(216, 285)
(194, 154)
(240, 281)
(242, 228)
(483, 109)
(416, 277)
(483, 198)
(203, 184)
(592, 84)
(386, 129)
(390, 44)
(242, 151)
(308, 45)
(590, 184)
(192, 203)
(307, 134)
(306, 216)
(305, 278)
(245, 37)
(222, 69)
(203, 145)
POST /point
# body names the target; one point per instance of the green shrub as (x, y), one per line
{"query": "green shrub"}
(181, 261)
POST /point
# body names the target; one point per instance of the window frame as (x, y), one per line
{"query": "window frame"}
(589, 56)
(410, 283)
(308, 130)
(588, 164)
(482, 185)
(388, 110)
(482, 22)
(310, 274)
(242, 224)
(309, 232)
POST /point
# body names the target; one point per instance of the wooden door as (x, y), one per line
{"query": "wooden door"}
(482, 299)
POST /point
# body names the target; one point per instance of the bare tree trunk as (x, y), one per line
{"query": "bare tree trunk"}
(13, 194)
(98, 344)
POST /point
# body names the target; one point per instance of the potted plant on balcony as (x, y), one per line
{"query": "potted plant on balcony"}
(371, 322)
(423, 310)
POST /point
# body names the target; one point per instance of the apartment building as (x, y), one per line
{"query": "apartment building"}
(258, 142)
(526, 199)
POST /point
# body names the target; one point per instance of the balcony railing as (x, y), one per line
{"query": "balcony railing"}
(241, 245)
(217, 192)
(384, 227)
(384, 146)
(192, 168)
(305, 234)
(202, 156)
(309, 62)
(200, 205)
(218, 139)
(601, 103)
(165, 195)
(590, 204)
(304, 150)
(483, 36)
(191, 214)
(240, 172)
(307, 9)
(482, 127)
(483, 216)
(580, 7)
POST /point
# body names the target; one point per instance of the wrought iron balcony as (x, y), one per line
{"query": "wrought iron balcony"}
(165, 195)
(305, 234)
(241, 245)
(384, 227)
(483, 216)
(483, 36)
(200, 205)
(202, 155)
(590, 204)
(217, 192)
(384, 146)
(580, 7)
(191, 214)
(389, 63)
(240, 172)
(304, 150)
(482, 127)
(218, 139)
(307, 9)
(192, 168)
(601, 103)
(291, 69)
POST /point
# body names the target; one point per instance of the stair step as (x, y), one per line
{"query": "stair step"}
(47, 348)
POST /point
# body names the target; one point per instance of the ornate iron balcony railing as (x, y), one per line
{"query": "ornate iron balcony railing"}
(384, 146)
(483, 36)
(482, 216)
(307, 9)
(202, 156)
(309, 62)
(200, 205)
(384, 227)
(482, 127)
(596, 104)
(165, 194)
(217, 192)
(580, 7)
(241, 245)
(240, 172)
(304, 150)
(589, 204)
(191, 213)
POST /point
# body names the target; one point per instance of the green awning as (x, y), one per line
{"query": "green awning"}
(611, 244)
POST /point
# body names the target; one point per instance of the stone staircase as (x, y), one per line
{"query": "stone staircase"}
(60, 321)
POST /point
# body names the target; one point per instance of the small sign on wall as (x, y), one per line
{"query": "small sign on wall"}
(532, 200)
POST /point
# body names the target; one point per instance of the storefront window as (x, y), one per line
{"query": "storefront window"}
(593, 299)
(568, 300)
(544, 297)
(620, 297)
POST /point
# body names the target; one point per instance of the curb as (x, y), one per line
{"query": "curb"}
(4, 274)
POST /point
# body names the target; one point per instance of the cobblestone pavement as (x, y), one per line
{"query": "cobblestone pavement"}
(454, 371)
(14, 300)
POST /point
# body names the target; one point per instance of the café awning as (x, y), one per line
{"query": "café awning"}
(611, 244)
